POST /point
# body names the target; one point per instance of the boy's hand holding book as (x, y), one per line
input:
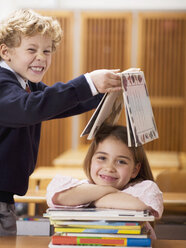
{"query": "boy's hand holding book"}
(106, 80)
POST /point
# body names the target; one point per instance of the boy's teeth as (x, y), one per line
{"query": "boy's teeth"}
(37, 68)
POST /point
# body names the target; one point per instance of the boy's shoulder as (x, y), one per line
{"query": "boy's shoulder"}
(6, 72)
(7, 77)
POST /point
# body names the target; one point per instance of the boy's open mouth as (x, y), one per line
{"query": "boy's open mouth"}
(37, 68)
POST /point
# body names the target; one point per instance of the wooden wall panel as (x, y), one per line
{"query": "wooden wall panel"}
(56, 134)
(105, 44)
(106, 39)
(162, 57)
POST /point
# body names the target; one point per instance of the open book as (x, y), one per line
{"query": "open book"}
(135, 99)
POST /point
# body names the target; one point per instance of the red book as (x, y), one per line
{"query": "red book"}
(71, 240)
(80, 240)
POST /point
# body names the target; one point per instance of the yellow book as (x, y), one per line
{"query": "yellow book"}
(97, 230)
(99, 227)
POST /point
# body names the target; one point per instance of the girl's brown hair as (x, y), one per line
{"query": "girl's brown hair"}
(120, 133)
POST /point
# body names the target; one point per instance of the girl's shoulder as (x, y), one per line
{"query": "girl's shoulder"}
(142, 185)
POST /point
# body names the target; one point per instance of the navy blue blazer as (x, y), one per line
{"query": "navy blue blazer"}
(21, 115)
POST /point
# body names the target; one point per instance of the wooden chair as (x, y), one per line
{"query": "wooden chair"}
(32, 196)
(173, 182)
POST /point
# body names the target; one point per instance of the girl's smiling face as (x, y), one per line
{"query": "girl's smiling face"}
(113, 164)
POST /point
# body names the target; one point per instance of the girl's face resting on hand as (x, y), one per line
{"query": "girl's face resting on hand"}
(112, 164)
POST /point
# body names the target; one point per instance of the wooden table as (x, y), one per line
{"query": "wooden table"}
(72, 157)
(49, 172)
(42, 242)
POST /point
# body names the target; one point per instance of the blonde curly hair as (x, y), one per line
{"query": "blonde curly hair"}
(28, 23)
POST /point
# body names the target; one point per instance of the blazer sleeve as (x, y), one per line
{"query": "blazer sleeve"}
(19, 108)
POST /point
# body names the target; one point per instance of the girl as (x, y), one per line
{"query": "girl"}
(118, 177)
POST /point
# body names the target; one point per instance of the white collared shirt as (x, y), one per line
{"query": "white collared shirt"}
(91, 84)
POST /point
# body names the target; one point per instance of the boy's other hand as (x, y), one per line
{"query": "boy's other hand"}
(106, 80)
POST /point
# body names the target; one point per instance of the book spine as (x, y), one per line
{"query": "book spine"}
(128, 242)
(139, 242)
(128, 227)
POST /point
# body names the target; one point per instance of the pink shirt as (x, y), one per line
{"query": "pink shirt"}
(147, 191)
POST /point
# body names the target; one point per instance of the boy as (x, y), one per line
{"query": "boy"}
(27, 41)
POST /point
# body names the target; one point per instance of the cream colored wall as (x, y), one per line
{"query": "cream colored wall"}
(123, 4)
(8, 5)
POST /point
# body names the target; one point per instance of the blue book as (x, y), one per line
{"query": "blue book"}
(139, 242)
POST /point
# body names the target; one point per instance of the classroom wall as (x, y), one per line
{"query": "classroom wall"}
(7, 5)
(54, 140)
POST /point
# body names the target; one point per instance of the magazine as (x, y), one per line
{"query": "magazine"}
(135, 100)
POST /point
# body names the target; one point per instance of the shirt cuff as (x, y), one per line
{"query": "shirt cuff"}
(91, 84)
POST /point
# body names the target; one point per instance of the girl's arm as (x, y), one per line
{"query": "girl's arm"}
(82, 194)
(120, 200)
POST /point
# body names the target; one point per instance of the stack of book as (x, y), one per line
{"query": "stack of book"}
(99, 227)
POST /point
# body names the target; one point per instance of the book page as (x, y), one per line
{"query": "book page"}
(107, 112)
(139, 110)
(93, 118)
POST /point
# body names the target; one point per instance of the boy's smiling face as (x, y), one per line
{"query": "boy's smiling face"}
(32, 58)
